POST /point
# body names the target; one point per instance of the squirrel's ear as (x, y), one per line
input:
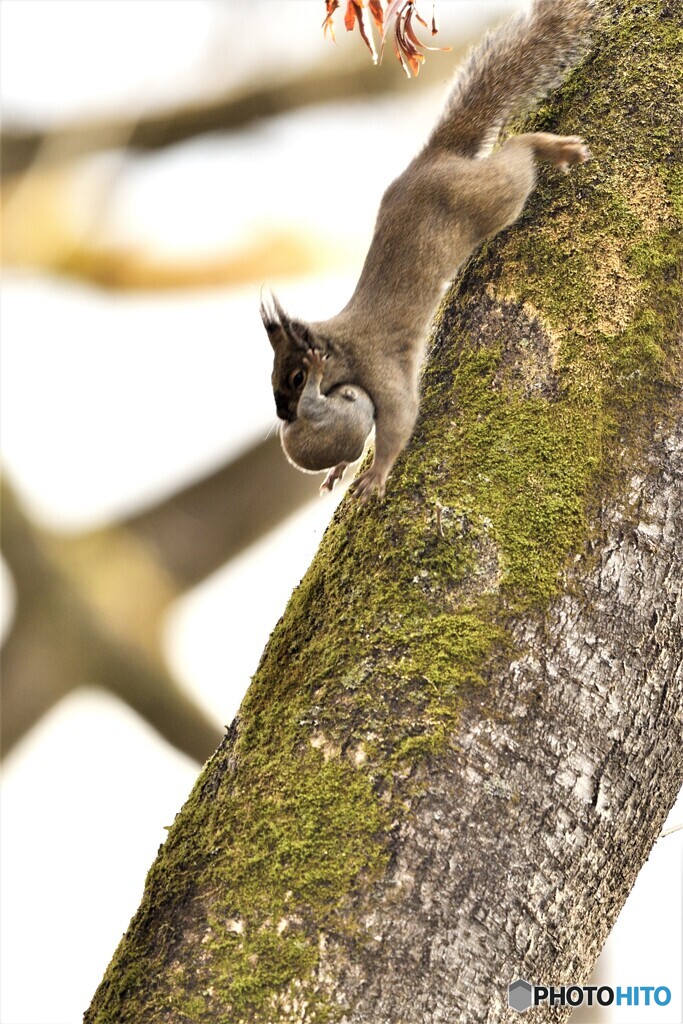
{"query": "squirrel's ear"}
(271, 320)
(281, 328)
(273, 330)
(280, 314)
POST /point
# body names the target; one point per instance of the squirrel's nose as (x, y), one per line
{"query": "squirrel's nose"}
(282, 407)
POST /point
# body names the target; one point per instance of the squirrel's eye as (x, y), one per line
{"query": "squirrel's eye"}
(297, 378)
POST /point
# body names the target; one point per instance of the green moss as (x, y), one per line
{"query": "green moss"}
(308, 833)
(534, 462)
(403, 616)
(596, 263)
(447, 650)
(302, 829)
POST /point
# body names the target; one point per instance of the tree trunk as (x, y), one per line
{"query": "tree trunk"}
(465, 732)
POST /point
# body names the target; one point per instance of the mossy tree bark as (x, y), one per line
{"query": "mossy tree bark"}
(465, 732)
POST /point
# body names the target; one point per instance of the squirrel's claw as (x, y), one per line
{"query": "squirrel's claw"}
(571, 152)
(314, 359)
(336, 473)
(369, 483)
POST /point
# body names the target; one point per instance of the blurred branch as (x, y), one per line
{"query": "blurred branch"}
(45, 620)
(198, 529)
(59, 642)
(88, 607)
(43, 217)
(278, 254)
(19, 147)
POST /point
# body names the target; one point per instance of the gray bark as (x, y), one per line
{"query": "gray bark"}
(515, 860)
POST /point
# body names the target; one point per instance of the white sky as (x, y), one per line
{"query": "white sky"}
(114, 55)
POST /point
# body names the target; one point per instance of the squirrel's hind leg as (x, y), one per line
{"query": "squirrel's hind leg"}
(490, 193)
(505, 179)
(564, 151)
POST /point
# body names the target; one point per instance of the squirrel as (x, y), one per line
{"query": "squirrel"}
(332, 378)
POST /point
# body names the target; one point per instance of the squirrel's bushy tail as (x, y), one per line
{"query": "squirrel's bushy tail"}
(509, 71)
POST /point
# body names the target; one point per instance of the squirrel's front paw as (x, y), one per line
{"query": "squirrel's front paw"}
(314, 360)
(368, 483)
(336, 473)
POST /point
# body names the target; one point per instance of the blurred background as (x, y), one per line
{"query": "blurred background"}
(161, 162)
